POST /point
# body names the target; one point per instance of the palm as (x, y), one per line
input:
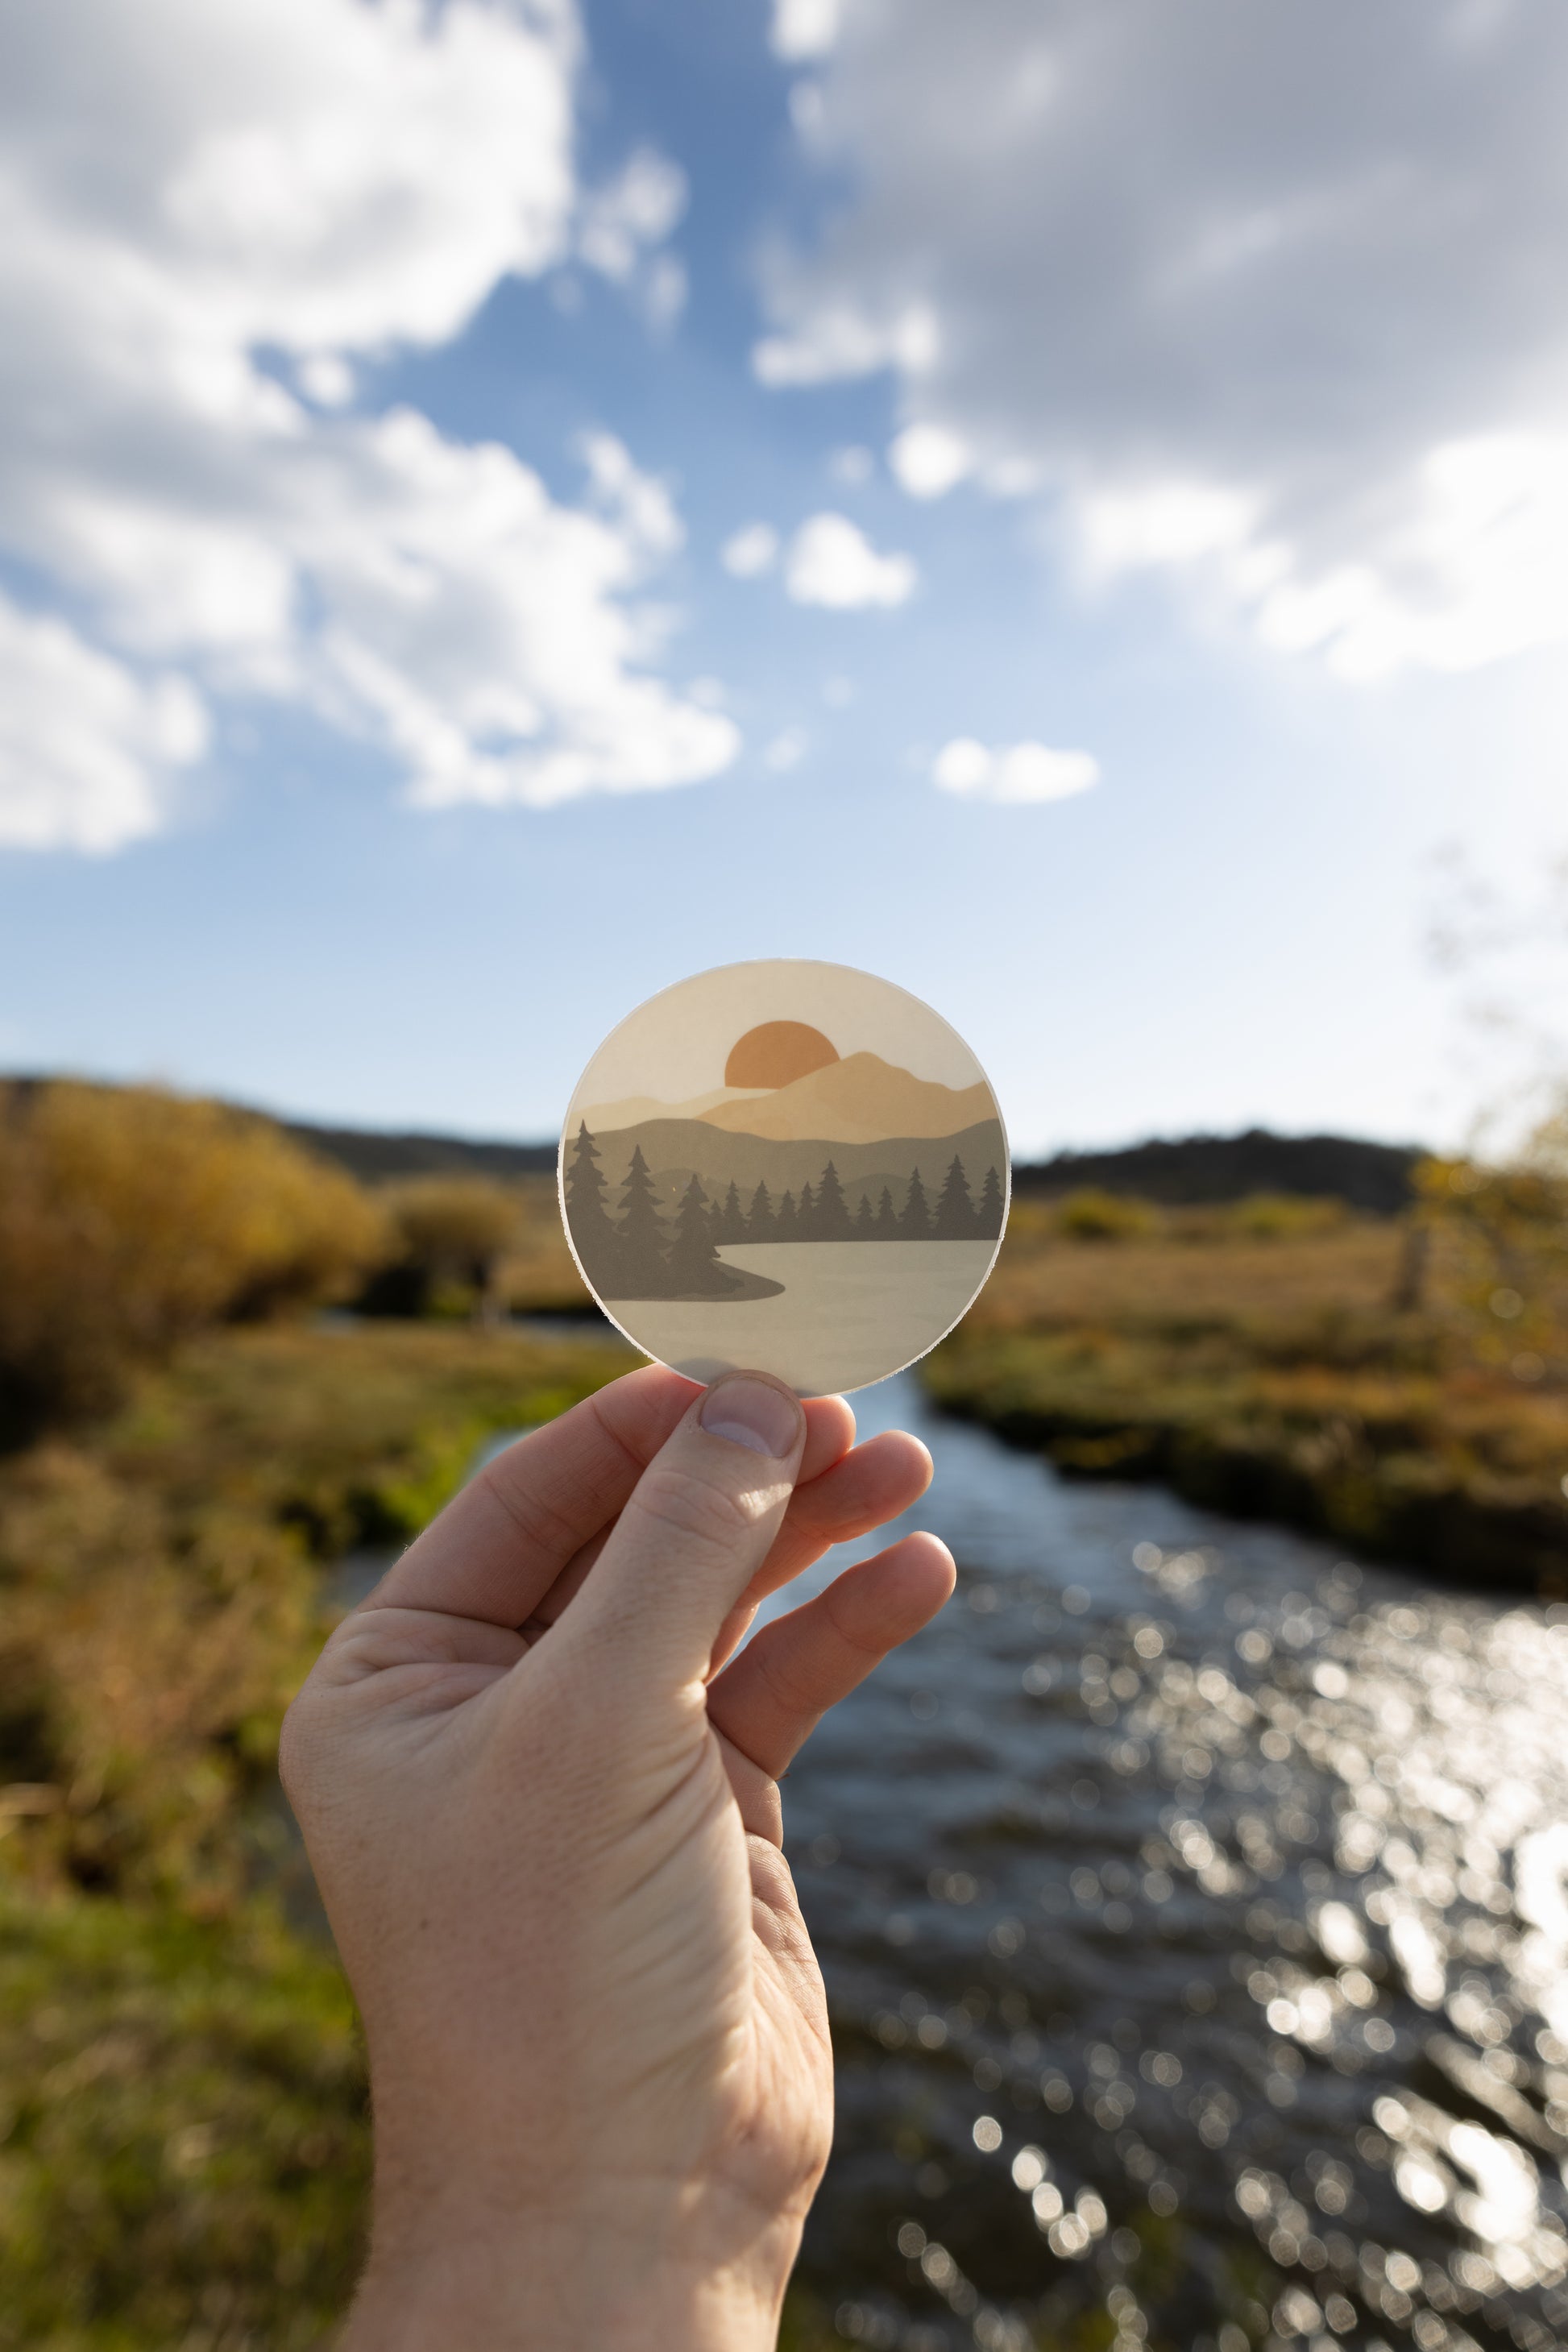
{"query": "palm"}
(569, 1784)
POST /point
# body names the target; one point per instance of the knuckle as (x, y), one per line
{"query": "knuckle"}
(704, 1515)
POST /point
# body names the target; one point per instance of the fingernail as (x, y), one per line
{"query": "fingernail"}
(750, 1412)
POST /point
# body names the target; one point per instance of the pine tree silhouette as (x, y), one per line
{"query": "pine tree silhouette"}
(865, 1223)
(914, 1222)
(595, 1239)
(729, 1222)
(806, 1213)
(988, 1218)
(694, 1262)
(887, 1223)
(641, 1235)
(832, 1214)
(954, 1219)
(761, 1223)
(787, 1224)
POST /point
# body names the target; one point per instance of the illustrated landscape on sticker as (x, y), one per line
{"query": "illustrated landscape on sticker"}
(820, 1208)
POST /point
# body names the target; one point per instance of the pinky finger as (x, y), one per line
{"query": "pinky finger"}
(769, 1700)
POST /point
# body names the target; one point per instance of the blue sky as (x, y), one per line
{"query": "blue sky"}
(1160, 457)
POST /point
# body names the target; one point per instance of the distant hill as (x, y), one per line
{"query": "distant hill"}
(375, 1157)
(1214, 1168)
(1191, 1170)
(1186, 1170)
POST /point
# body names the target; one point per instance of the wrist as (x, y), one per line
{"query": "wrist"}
(640, 2272)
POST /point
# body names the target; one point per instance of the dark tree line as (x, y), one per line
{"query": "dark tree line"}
(822, 1212)
(635, 1255)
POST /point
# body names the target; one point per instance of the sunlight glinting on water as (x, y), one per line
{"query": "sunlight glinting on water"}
(1195, 1912)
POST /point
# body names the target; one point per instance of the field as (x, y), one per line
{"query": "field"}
(184, 2143)
(1255, 1360)
(183, 2135)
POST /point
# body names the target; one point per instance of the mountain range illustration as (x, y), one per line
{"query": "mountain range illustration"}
(855, 1098)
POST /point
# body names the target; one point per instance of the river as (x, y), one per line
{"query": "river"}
(1192, 1905)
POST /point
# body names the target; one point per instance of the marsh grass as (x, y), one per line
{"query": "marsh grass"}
(1280, 1365)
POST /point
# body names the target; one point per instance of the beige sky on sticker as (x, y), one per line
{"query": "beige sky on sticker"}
(676, 1045)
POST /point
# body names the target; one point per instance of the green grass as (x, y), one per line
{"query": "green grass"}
(1272, 1378)
(183, 2134)
(186, 2142)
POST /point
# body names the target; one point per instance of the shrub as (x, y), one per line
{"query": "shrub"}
(1284, 1216)
(130, 1218)
(1092, 1215)
(453, 1232)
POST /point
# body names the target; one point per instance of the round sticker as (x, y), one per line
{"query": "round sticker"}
(785, 1167)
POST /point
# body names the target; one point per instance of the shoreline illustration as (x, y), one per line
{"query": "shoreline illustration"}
(637, 1252)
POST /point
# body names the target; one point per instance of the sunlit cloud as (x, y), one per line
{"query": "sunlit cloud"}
(805, 28)
(1012, 772)
(1310, 363)
(253, 209)
(832, 562)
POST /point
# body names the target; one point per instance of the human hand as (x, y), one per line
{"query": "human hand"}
(543, 1812)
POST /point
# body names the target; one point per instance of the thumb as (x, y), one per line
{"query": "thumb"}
(698, 1526)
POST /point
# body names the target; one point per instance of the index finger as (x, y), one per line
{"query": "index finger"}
(503, 1540)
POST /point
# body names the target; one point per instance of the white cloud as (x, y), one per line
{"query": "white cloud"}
(1013, 772)
(85, 746)
(1272, 305)
(187, 190)
(622, 225)
(786, 750)
(833, 342)
(752, 551)
(326, 378)
(832, 562)
(928, 460)
(805, 28)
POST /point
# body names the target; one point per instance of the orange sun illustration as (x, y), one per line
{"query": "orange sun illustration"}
(776, 1054)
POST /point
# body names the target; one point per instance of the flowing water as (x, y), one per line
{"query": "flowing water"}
(1192, 1905)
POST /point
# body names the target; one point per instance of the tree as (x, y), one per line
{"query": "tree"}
(693, 1259)
(641, 1234)
(914, 1222)
(787, 1225)
(594, 1235)
(887, 1223)
(988, 1223)
(806, 1213)
(865, 1223)
(832, 1214)
(729, 1221)
(955, 1219)
(455, 1232)
(761, 1223)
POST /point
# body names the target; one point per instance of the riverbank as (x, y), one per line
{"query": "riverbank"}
(184, 2145)
(1269, 1376)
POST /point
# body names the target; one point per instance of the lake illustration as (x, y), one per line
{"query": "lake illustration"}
(794, 1166)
